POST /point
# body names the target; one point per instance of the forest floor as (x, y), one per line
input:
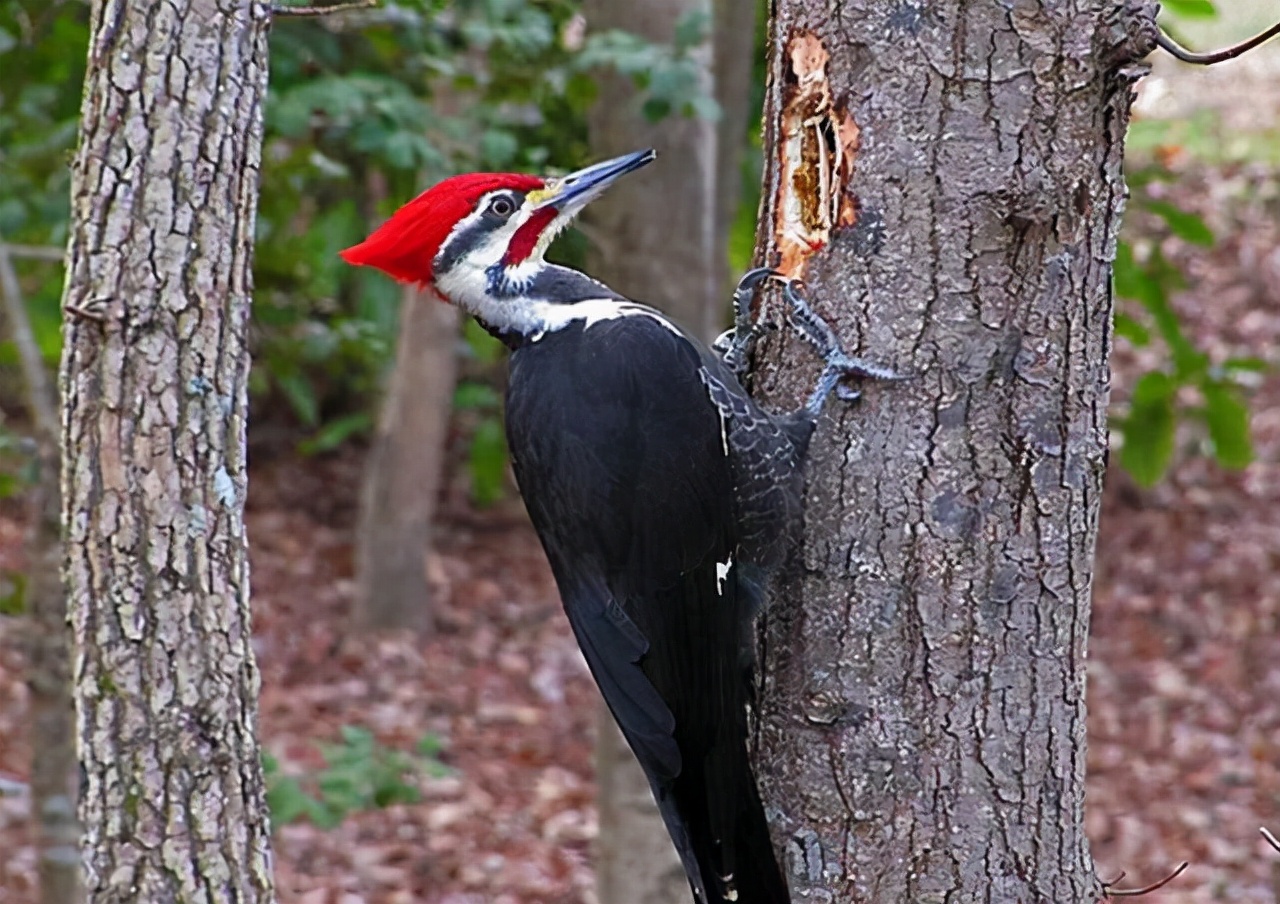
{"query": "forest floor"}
(1184, 665)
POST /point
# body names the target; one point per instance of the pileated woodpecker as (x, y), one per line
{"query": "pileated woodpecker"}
(660, 490)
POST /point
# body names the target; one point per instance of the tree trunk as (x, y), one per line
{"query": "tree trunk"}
(154, 405)
(947, 181)
(402, 474)
(54, 775)
(53, 753)
(734, 43)
(635, 860)
(655, 236)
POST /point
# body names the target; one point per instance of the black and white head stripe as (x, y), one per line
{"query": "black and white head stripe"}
(493, 211)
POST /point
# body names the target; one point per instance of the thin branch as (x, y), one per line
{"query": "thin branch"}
(40, 399)
(1271, 839)
(1109, 892)
(37, 252)
(280, 9)
(1215, 56)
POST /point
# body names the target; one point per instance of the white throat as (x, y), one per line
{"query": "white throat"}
(467, 285)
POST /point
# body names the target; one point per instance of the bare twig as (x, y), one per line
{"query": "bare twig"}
(36, 252)
(1109, 892)
(280, 9)
(1215, 56)
(94, 313)
(1271, 839)
(40, 397)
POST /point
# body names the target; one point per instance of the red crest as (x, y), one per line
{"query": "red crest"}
(405, 245)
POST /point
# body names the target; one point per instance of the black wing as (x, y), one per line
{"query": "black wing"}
(617, 451)
(622, 461)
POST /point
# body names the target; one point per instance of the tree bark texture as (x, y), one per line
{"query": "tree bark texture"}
(947, 181)
(402, 474)
(655, 236)
(153, 381)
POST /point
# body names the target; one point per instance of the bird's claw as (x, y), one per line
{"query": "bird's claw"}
(839, 365)
(734, 345)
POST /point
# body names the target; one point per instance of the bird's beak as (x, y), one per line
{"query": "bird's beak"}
(574, 191)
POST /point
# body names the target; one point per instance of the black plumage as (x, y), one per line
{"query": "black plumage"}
(623, 435)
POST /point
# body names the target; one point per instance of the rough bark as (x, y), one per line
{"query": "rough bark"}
(52, 732)
(153, 382)
(402, 473)
(947, 181)
(655, 235)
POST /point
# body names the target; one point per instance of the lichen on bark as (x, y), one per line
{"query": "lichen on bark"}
(153, 385)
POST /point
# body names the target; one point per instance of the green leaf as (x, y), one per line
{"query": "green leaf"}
(301, 396)
(1247, 364)
(1185, 225)
(13, 592)
(1149, 430)
(1154, 387)
(483, 347)
(472, 396)
(336, 432)
(287, 801)
(704, 107)
(1227, 417)
(1191, 9)
(357, 737)
(656, 108)
(430, 745)
(1131, 280)
(692, 29)
(498, 147)
(1128, 328)
(1147, 284)
(487, 462)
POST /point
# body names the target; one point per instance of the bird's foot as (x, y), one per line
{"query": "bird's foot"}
(839, 364)
(735, 345)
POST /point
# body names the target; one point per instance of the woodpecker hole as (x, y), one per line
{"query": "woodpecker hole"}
(819, 142)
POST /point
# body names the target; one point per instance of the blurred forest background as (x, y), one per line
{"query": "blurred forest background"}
(456, 765)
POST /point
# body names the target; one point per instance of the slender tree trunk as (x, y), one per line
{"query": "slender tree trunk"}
(947, 181)
(54, 772)
(154, 404)
(53, 759)
(402, 475)
(656, 238)
(733, 38)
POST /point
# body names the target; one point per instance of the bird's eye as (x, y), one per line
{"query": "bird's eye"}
(502, 206)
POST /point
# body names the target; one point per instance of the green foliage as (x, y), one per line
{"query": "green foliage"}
(13, 592)
(481, 407)
(669, 75)
(359, 774)
(19, 464)
(1189, 385)
(1190, 9)
(362, 112)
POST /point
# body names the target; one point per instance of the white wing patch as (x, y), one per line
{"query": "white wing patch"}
(722, 574)
(555, 317)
